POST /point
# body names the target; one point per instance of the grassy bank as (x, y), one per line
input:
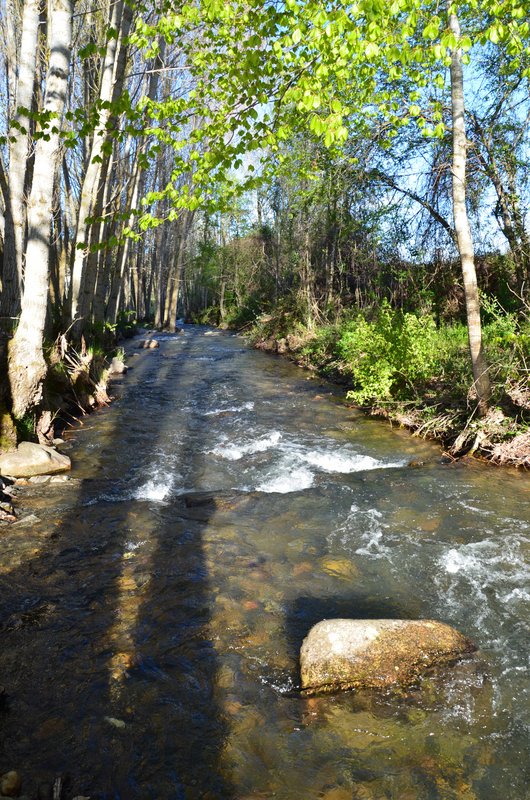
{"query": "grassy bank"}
(415, 372)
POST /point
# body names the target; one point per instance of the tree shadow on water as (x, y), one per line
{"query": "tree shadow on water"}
(106, 655)
(304, 611)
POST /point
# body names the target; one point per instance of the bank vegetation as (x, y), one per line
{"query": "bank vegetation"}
(348, 182)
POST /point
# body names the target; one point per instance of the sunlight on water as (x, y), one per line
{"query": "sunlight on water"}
(157, 488)
(291, 479)
(153, 615)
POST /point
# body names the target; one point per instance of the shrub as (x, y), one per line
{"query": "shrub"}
(390, 356)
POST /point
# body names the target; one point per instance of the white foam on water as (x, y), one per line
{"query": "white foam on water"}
(522, 595)
(457, 561)
(336, 462)
(230, 409)
(344, 462)
(130, 547)
(362, 532)
(373, 535)
(475, 509)
(289, 480)
(157, 489)
(490, 574)
(233, 452)
(294, 464)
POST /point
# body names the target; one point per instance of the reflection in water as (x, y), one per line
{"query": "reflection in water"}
(151, 620)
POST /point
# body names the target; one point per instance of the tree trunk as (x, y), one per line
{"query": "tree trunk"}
(88, 302)
(111, 83)
(27, 367)
(18, 159)
(122, 254)
(462, 227)
(185, 224)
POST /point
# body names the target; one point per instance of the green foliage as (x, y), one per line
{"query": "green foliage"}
(506, 342)
(26, 428)
(206, 316)
(389, 357)
(242, 316)
(126, 324)
(286, 317)
(320, 349)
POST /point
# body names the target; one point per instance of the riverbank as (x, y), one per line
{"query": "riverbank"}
(402, 369)
(77, 383)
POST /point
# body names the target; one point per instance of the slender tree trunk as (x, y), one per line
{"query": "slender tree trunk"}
(18, 159)
(306, 276)
(182, 237)
(27, 367)
(508, 210)
(122, 254)
(111, 83)
(462, 227)
(93, 267)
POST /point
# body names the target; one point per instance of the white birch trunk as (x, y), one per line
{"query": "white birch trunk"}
(27, 367)
(182, 239)
(123, 253)
(18, 158)
(111, 81)
(462, 227)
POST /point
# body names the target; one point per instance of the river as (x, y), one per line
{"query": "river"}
(153, 606)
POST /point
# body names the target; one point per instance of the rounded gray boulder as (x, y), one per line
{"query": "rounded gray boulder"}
(376, 654)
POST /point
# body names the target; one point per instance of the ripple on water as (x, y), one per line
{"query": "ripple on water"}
(204, 611)
(294, 463)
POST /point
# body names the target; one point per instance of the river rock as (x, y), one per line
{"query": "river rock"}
(376, 653)
(117, 367)
(10, 784)
(33, 459)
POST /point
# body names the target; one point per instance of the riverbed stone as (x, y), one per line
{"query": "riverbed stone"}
(31, 459)
(376, 654)
(10, 784)
(340, 568)
(117, 367)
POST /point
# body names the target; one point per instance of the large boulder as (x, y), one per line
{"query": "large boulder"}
(33, 459)
(376, 653)
(117, 367)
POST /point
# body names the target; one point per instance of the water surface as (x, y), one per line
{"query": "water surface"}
(152, 615)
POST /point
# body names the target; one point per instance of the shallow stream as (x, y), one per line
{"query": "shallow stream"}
(153, 606)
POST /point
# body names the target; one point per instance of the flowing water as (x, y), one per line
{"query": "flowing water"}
(153, 606)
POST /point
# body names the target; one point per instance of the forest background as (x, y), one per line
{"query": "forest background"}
(347, 182)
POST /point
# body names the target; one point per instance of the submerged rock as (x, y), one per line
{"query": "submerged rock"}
(10, 784)
(340, 568)
(376, 653)
(33, 459)
(116, 723)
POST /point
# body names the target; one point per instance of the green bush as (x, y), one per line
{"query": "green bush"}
(389, 357)
(506, 343)
(320, 350)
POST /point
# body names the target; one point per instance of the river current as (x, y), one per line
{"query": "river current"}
(152, 606)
